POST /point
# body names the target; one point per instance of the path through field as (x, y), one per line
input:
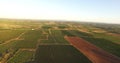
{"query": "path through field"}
(17, 38)
(95, 54)
(6, 42)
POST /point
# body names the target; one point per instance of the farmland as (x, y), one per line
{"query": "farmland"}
(55, 37)
(95, 54)
(59, 54)
(21, 57)
(9, 34)
(30, 41)
(101, 42)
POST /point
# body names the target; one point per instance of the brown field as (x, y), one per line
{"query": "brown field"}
(95, 54)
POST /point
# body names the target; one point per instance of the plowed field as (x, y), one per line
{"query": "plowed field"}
(95, 54)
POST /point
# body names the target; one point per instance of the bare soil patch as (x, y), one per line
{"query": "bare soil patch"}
(95, 54)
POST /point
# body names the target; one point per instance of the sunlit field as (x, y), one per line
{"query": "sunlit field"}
(44, 41)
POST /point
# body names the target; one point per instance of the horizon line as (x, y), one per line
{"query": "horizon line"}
(58, 20)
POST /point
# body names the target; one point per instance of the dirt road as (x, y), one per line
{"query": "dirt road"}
(17, 38)
(95, 54)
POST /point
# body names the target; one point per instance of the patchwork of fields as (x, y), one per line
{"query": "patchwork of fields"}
(107, 45)
(44, 42)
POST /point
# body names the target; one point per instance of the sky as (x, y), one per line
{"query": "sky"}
(107, 11)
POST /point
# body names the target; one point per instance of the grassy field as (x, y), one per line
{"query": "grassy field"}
(30, 39)
(25, 42)
(21, 57)
(59, 54)
(58, 36)
(9, 34)
(75, 33)
(66, 32)
(115, 39)
(55, 37)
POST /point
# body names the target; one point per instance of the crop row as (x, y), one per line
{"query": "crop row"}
(59, 54)
(55, 37)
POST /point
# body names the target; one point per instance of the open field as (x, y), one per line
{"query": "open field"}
(6, 35)
(59, 54)
(54, 37)
(95, 54)
(21, 57)
(104, 43)
(32, 41)
(106, 36)
(27, 41)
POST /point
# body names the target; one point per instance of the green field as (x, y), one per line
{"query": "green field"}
(75, 33)
(21, 57)
(59, 54)
(6, 35)
(54, 37)
(30, 39)
(25, 42)
(115, 39)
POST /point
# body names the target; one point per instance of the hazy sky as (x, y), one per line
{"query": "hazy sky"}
(81, 10)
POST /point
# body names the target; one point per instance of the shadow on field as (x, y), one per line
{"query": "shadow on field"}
(59, 54)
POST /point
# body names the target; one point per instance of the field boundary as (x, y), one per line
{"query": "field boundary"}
(17, 38)
(95, 54)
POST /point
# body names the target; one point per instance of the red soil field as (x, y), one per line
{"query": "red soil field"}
(95, 54)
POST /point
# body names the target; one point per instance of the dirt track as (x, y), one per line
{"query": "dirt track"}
(17, 38)
(95, 54)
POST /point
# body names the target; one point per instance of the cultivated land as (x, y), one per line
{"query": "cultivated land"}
(59, 54)
(32, 41)
(95, 54)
